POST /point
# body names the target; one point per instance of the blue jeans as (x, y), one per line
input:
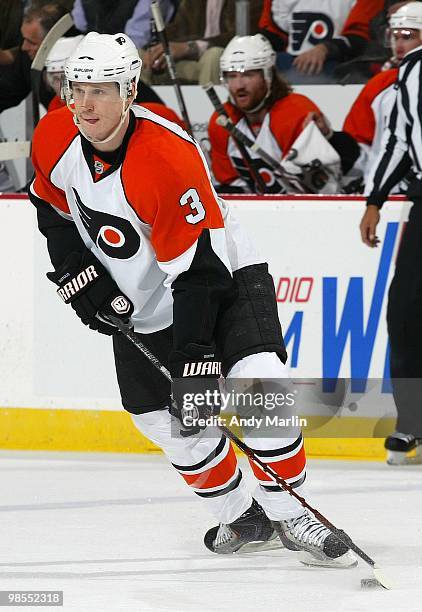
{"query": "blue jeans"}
(284, 65)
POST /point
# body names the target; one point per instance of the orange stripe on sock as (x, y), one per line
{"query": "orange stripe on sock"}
(286, 468)
(215, 476)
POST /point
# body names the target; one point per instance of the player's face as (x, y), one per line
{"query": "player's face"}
(404, 41)
(246, 88)
(98, 107)
(54, 79)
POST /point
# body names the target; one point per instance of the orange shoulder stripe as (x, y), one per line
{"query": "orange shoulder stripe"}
(360, 122)
(164, 111)
(357, 23)
(166, 182)
(266, 22)
(287, 117)
(52, 137)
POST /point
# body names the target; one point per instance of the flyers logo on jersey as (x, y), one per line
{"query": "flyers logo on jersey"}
(310, 27)
(271, 183)
(115, 236)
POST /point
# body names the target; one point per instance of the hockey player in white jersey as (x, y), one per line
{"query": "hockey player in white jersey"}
(54, 64)
(135, 230)
(286, 125)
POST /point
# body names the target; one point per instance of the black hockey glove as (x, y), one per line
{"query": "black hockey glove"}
(195, 389)
(85, 284)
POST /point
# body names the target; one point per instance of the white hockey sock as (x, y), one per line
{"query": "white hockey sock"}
(280, 447)
(206, 461)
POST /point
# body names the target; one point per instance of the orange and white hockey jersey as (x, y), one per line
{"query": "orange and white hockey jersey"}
(368, 118)
(281, 127)
(141, 216)
(302, 24)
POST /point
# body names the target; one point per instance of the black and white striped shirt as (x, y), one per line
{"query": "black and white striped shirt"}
(403, 144)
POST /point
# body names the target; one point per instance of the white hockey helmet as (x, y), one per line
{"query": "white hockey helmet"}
(408, 16)
(248, 53)
(61, 50)
(105, 58)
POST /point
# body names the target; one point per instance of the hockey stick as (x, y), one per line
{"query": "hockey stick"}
(14, 150)
(60, 27)
(249, 164)
(339, 533)
(162, 35)
(290, 182)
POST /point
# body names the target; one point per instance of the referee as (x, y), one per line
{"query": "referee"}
(403, 152)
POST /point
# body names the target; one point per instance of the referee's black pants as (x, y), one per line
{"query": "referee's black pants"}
(404, 321)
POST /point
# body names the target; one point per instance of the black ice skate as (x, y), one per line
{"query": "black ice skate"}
(251, 532)
(403, 449)
(317, 544)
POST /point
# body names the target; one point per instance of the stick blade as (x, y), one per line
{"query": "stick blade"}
(59, 28)
(379, 575)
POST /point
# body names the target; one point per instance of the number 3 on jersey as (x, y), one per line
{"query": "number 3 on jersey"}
(191, 197)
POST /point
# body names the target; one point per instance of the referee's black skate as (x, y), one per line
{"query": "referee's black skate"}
(251, 532)
(403, 449)
(317, 544)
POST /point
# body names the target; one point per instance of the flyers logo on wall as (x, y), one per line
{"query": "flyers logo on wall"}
(309, 27)
(350, 318)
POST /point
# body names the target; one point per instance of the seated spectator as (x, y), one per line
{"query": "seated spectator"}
(10, 21)
(15, 75)
(133, 17)
(54, 66)
(15, 78)
(312, 39)
(198, 35)
(263, 106)
(368, 119)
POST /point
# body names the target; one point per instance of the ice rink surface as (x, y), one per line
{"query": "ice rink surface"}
(124, 533)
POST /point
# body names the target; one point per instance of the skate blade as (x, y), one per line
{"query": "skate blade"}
(274, 543)
(413, 457)
(346, 561)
